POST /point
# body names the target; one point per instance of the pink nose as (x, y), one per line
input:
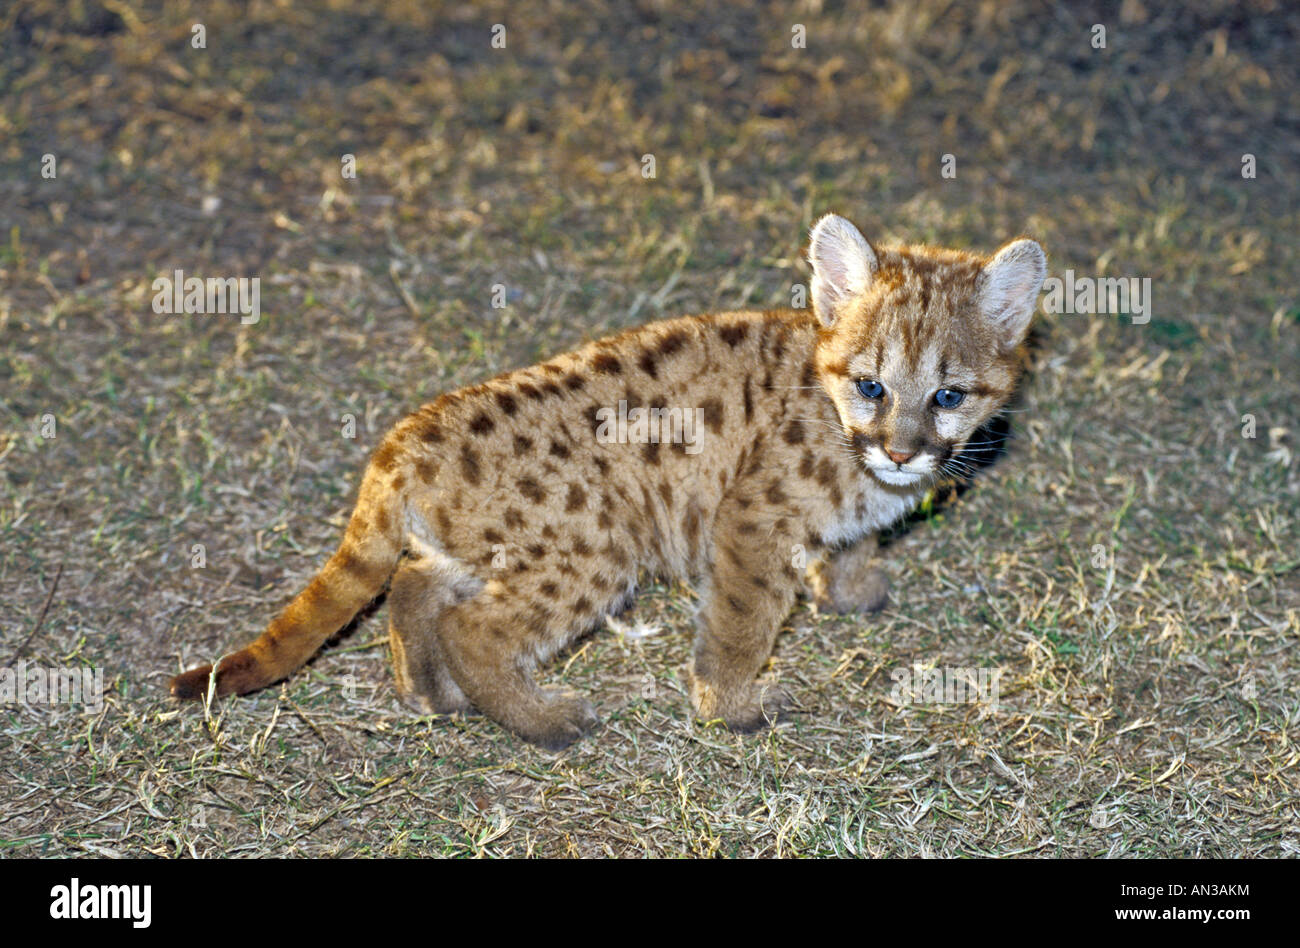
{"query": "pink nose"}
(900, 457)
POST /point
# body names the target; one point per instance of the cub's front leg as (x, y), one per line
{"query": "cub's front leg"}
(850, 580)
(752, 587)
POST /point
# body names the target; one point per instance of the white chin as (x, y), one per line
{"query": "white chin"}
(897, 478)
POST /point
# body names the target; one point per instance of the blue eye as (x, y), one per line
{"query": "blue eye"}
(948, 397)
(870, 388)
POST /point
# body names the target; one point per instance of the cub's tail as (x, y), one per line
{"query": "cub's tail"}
(351, 578)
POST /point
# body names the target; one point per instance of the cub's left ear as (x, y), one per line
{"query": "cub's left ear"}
(1008, 288)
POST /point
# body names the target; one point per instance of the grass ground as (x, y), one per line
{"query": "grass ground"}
(1130, 565)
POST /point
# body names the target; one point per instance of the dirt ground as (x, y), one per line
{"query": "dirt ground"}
(1130, 565)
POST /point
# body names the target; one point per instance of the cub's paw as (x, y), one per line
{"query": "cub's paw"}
(768, 704)
(427, 691)
(759, 706)
(866, 592)
(565, 717)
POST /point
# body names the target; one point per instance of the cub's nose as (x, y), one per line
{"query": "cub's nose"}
(900, 457)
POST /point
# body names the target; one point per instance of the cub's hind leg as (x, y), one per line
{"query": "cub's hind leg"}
(491, 646)
(421, 591)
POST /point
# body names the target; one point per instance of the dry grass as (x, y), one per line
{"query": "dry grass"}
(1149, 707)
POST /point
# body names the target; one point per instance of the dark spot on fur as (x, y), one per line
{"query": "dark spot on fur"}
(606, 363)
(794, 433)
(469, 466)
(827, 478)
(559, 451)
(507, 403)
(482, 424)
(549, 590)
(514, 520)
(733, 335)
(666, 493)
(692, 526)
(714, 413)
(425, 469)
(672, 342)
(430, 431)
(522, 445)
(529, 487)
(575, 500)
(807, 467)
(385, 457)
(647, 364)
(778, 350)
(493, 536)
(809, 377)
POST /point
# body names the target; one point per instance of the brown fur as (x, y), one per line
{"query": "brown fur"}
(507, 528)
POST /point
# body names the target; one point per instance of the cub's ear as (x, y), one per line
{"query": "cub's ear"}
(843, 264)
(1008, 288)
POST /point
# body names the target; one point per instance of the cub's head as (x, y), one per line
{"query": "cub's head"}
(918, 344)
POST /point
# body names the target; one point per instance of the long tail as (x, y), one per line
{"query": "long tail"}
(351, 578)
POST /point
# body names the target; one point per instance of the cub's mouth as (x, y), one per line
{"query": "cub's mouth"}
(894, 476)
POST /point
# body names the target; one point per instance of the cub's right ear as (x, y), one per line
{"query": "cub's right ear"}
(843, 264)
